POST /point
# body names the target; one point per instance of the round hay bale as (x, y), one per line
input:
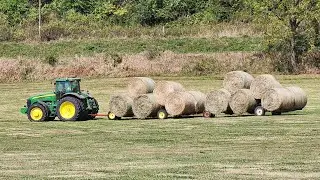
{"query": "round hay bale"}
(217, 101)
(140, 85)
(121, 105)
(300, 97)
(278, 99)
(200, 100)
(164, 88)
(262, 83)
(180, 103)
(145, 106)
(243, 101)
(235, 80)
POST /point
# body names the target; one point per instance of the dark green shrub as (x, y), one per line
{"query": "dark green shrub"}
(5, 33)
(51, 60)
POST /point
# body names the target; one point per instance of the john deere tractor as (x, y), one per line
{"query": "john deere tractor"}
(68, 102)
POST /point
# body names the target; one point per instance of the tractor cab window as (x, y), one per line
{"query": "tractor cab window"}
(75, 86)
(62, 87)
(68, 86)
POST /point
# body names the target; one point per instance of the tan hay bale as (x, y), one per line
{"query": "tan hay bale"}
(300, 97)
(217, 101)
(145, 105)
(200, 100)
(121, 105)
(243, 101)
(262, 83)
(140, 85)
(180, 103)
(164, 88)
(235, 80)
(278, 99)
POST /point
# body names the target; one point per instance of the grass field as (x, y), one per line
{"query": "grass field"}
(248, 147)
(130, 46)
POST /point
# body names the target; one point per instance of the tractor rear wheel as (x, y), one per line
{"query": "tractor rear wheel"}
(70, 109)
(37, 113)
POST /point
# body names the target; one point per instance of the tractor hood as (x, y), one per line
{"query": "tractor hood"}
(45, 97)
(49, 96)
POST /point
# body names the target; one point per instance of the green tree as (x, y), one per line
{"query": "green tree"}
(15, 10)
(290, 26)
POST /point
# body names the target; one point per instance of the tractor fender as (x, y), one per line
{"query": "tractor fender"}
(74, 95)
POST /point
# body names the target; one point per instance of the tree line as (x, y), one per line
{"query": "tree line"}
(291, 27)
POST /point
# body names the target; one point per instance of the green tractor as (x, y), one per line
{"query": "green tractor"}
(68, 102)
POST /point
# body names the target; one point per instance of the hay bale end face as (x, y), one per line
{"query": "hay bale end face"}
(217, 101)
(164, 88)
(300, 97)
(200, 100)
(145, 106)
(243, 101)
(121, 105)
(180, 103)
(235, 80)
(262, 83)
(140, 85)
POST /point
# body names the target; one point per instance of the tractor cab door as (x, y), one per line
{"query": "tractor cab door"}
(62, 87)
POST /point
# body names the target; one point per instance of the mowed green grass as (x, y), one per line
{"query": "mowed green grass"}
(225, 147)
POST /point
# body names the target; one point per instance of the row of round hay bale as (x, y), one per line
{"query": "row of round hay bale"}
(121, 105)
(200, 100)
(235, 80)
(262, 83)
(164, 88)
(140, 85)
(145, 105)
(284, 99)
(217, 101)
(243, 101)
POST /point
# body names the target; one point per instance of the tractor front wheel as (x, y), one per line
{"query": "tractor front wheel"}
(70, 109)
(37, 113)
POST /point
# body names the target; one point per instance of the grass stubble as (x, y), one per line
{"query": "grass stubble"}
(225, 147)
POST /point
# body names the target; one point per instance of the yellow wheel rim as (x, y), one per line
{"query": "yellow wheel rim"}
(112, 116)
(162, 115)
(67, 110)
(36, 114)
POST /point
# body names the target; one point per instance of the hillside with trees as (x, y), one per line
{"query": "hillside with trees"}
(285, 32)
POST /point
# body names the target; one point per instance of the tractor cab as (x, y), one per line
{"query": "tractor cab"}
(67, 85)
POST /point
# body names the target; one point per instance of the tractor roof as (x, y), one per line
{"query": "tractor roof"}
(67, 79)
